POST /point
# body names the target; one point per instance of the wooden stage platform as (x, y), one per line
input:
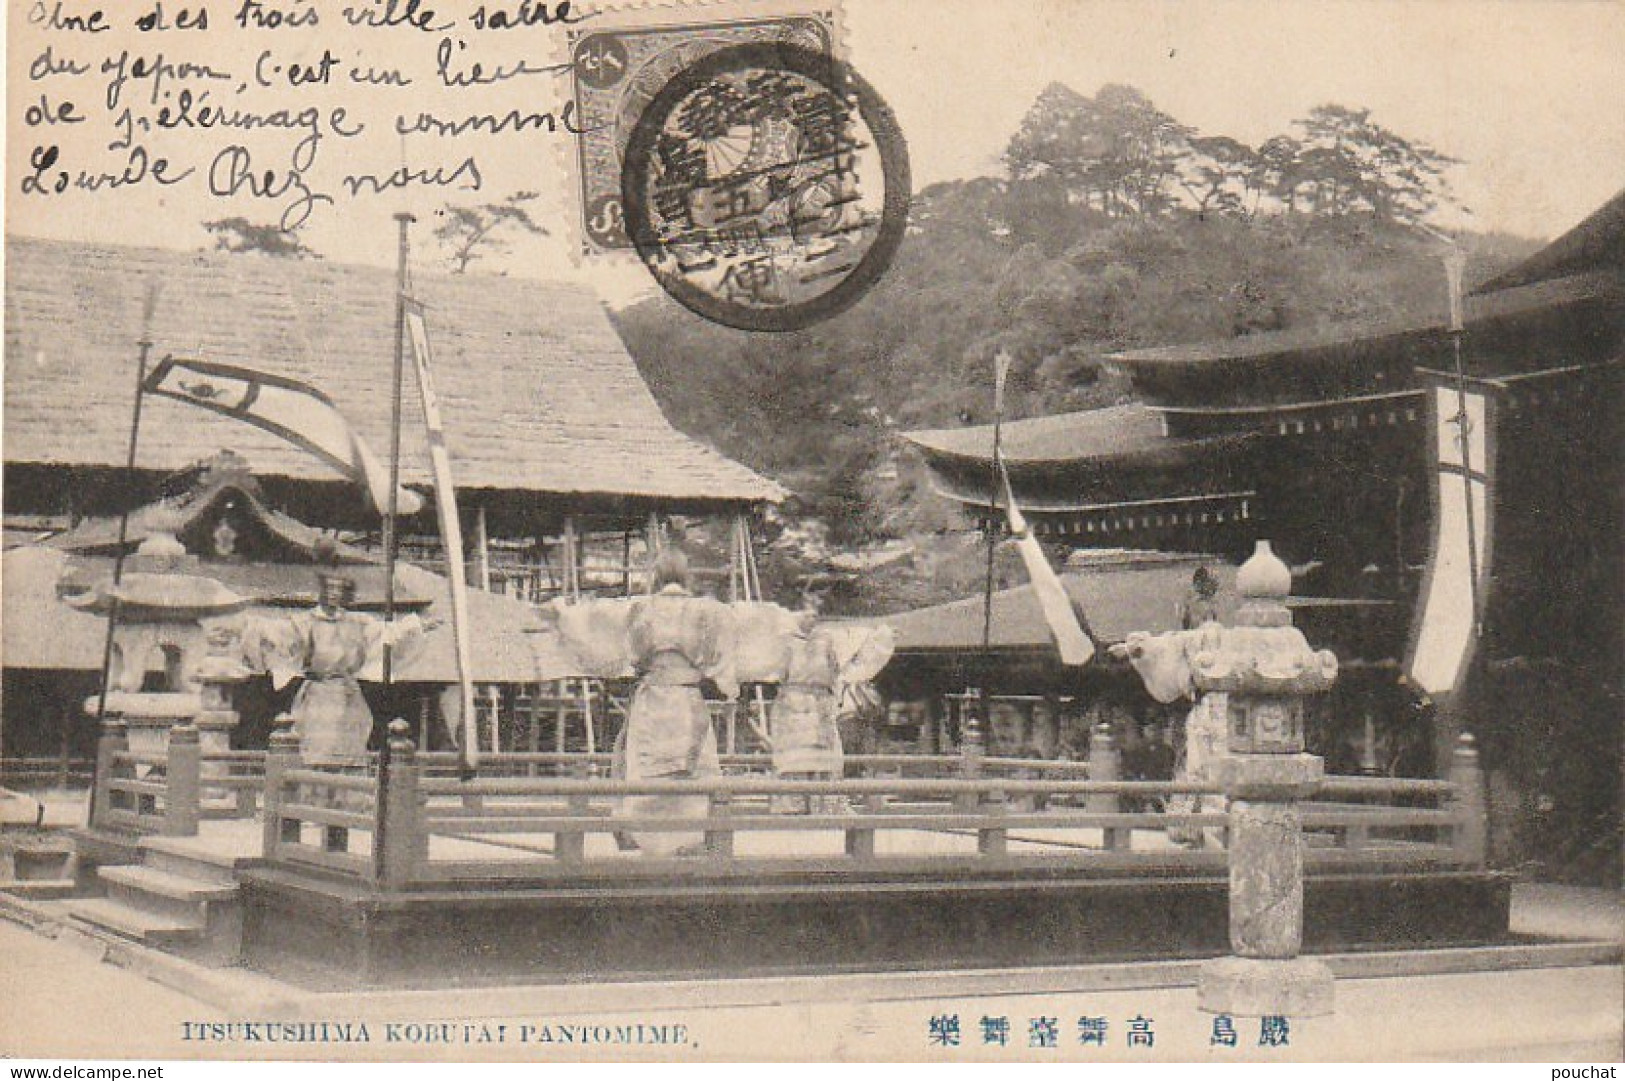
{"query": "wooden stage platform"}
(401, 873)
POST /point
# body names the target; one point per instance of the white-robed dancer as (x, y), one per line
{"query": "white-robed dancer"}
(1164, 663)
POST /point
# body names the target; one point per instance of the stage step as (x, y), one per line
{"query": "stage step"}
(147, 927)
(181, 898)
(164, 884)
(187, 857)
(164, 894)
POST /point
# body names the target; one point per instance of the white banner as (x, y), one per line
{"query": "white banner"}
(1450, 609)
(451, 530)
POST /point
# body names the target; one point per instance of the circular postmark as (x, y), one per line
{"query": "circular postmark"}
(766, 187)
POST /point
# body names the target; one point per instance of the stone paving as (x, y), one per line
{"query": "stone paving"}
(59, 1001)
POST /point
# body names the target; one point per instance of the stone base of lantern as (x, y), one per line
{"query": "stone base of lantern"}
(149, 715)
(1263, 987)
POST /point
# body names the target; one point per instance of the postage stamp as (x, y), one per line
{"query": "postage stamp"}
(766, 187)
(621, 62)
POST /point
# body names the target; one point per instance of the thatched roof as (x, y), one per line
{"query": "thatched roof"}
(538, 392)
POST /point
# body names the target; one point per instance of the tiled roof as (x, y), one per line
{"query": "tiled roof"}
(538, 393)
(1597, 241)
(1116, 600)
(1508, 300)
(1120, 430)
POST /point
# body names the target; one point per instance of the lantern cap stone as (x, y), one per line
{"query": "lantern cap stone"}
(1264, 576)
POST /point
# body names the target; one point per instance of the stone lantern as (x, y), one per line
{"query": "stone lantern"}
(167, 611)
(1264, 667)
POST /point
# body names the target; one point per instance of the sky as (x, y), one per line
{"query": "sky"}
(1529, 93)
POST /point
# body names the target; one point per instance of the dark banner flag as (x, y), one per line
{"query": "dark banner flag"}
(299, 413)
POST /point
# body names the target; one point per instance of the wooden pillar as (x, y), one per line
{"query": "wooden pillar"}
(586, 686)
(1105, 764)
(400, 842)
(183, 785)
(970, 757)
(654, 539)
(572, 570)
(534, 740)
(282, 756)
(560, 686)
(65, 746)
(1471, 833)
(113, 740)
(736, 565)
(753, 578)
(544, 565)
(493, 702)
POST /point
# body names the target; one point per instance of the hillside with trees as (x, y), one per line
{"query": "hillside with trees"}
(1112, 226)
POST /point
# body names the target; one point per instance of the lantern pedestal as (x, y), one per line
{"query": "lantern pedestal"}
(1265, 987)
(1266, 977)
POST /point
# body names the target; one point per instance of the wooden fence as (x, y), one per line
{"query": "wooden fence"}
(423, 827)
(61, 771)
(173, 791)
(406, 820)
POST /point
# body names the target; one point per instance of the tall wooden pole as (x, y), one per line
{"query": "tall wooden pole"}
(143, 354)
(483, 539)
(1455, 265)
(994, 528)
(405, 219)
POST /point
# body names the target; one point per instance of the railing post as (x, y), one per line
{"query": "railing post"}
(183, 773)
(971, 753)
(1470, 835)
(113, 741)
(1106, 764)
(245, 798)
(720, 842)
(860, 840)
(399, 842)
(282, 756)
(993, 840)
(570, 846)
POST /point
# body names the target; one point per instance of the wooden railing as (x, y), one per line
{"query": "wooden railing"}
(576, 764)
(173, 791)
(231, 784)
(411, 823)
(406, 819)
(147, 793)
(319, 819)
(36, 772)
